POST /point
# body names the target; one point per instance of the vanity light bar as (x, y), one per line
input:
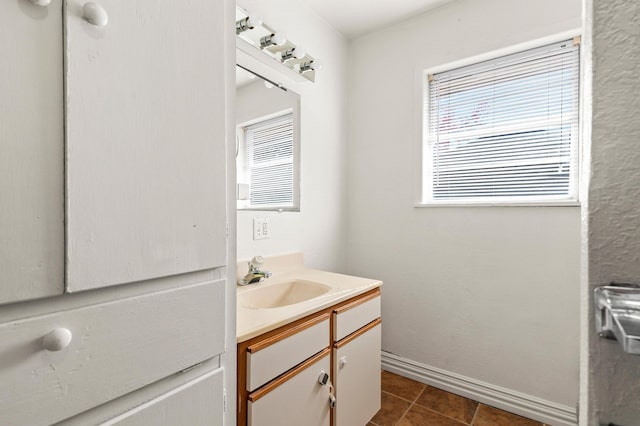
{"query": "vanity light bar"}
(251, 30)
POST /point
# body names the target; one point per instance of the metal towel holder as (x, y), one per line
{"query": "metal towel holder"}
(617, 310)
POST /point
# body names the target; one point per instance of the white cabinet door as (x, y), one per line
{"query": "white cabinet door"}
(31, 151)
(197, 403)
(296, 398)
(357, 381)
(145, 101)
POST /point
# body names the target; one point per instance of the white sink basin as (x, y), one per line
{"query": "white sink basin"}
(282, 294)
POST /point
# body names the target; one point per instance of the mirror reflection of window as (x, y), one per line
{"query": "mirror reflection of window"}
(268, 149)
(268, 143)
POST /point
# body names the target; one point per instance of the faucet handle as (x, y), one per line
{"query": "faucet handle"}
(256, 263)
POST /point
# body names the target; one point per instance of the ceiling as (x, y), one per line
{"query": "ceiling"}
(354, 18)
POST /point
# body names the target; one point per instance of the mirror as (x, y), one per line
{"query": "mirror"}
(267, 144)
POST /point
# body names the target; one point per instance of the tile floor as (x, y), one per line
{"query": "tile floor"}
(406, 402)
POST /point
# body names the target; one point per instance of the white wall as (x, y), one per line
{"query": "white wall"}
(255, 101)
(612, 242)
(490, 293)
(319, 229)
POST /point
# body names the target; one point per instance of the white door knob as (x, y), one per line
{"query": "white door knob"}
(57, 339)
(41, 2)
(95, 14)
(342, 362)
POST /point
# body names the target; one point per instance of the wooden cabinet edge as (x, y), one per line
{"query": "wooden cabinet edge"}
(264, 390)
(357, 333)
(290, 330)
(357, 300)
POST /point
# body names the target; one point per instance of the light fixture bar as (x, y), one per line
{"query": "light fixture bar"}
(252, 33)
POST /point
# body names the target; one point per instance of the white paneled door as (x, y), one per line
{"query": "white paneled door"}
(145, 143)
(31, 151)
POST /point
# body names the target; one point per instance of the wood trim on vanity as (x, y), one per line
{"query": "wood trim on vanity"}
(332, 369)
(357, 333)
(241, 384)
(351, 303)
(264, 390)
(243, 349)
(266, 341)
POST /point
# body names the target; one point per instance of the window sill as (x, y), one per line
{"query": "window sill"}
(500, 204)
(269, 209)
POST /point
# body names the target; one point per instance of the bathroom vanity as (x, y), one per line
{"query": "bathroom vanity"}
(308, 347)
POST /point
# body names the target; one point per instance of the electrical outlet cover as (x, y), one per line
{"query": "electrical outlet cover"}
(260, 228)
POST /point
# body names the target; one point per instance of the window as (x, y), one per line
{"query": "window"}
(269, 163)
(504, 130)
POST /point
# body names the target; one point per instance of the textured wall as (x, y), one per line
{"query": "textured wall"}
(491, 293)
(614, 198)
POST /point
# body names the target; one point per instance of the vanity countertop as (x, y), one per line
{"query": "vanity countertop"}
(253, 321)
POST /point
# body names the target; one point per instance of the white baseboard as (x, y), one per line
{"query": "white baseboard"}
(486, 393)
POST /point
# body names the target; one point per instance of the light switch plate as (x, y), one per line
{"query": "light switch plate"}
(243, 191)
(260, 228)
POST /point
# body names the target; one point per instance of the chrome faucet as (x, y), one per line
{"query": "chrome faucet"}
(255, 275)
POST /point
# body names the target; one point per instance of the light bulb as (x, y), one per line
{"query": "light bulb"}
(278, 39)
(299, 52)
(253, 21)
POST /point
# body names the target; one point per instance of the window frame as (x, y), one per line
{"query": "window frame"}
(244, 205)
(424, 158)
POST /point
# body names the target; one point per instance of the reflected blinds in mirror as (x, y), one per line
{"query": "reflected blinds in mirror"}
(270, 161)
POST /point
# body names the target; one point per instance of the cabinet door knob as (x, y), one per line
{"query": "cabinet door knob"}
(343, 361)
(323, 378)
(57, 339)
(95, 14)
(41, 2)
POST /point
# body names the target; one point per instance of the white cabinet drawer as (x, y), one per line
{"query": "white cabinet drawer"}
(196, 403)
(356, 314)
(297, 398)
(116, 347)
(280, 352)
(357, 376)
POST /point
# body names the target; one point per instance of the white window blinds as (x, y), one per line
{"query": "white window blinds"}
(504, 130)
(269, 162)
